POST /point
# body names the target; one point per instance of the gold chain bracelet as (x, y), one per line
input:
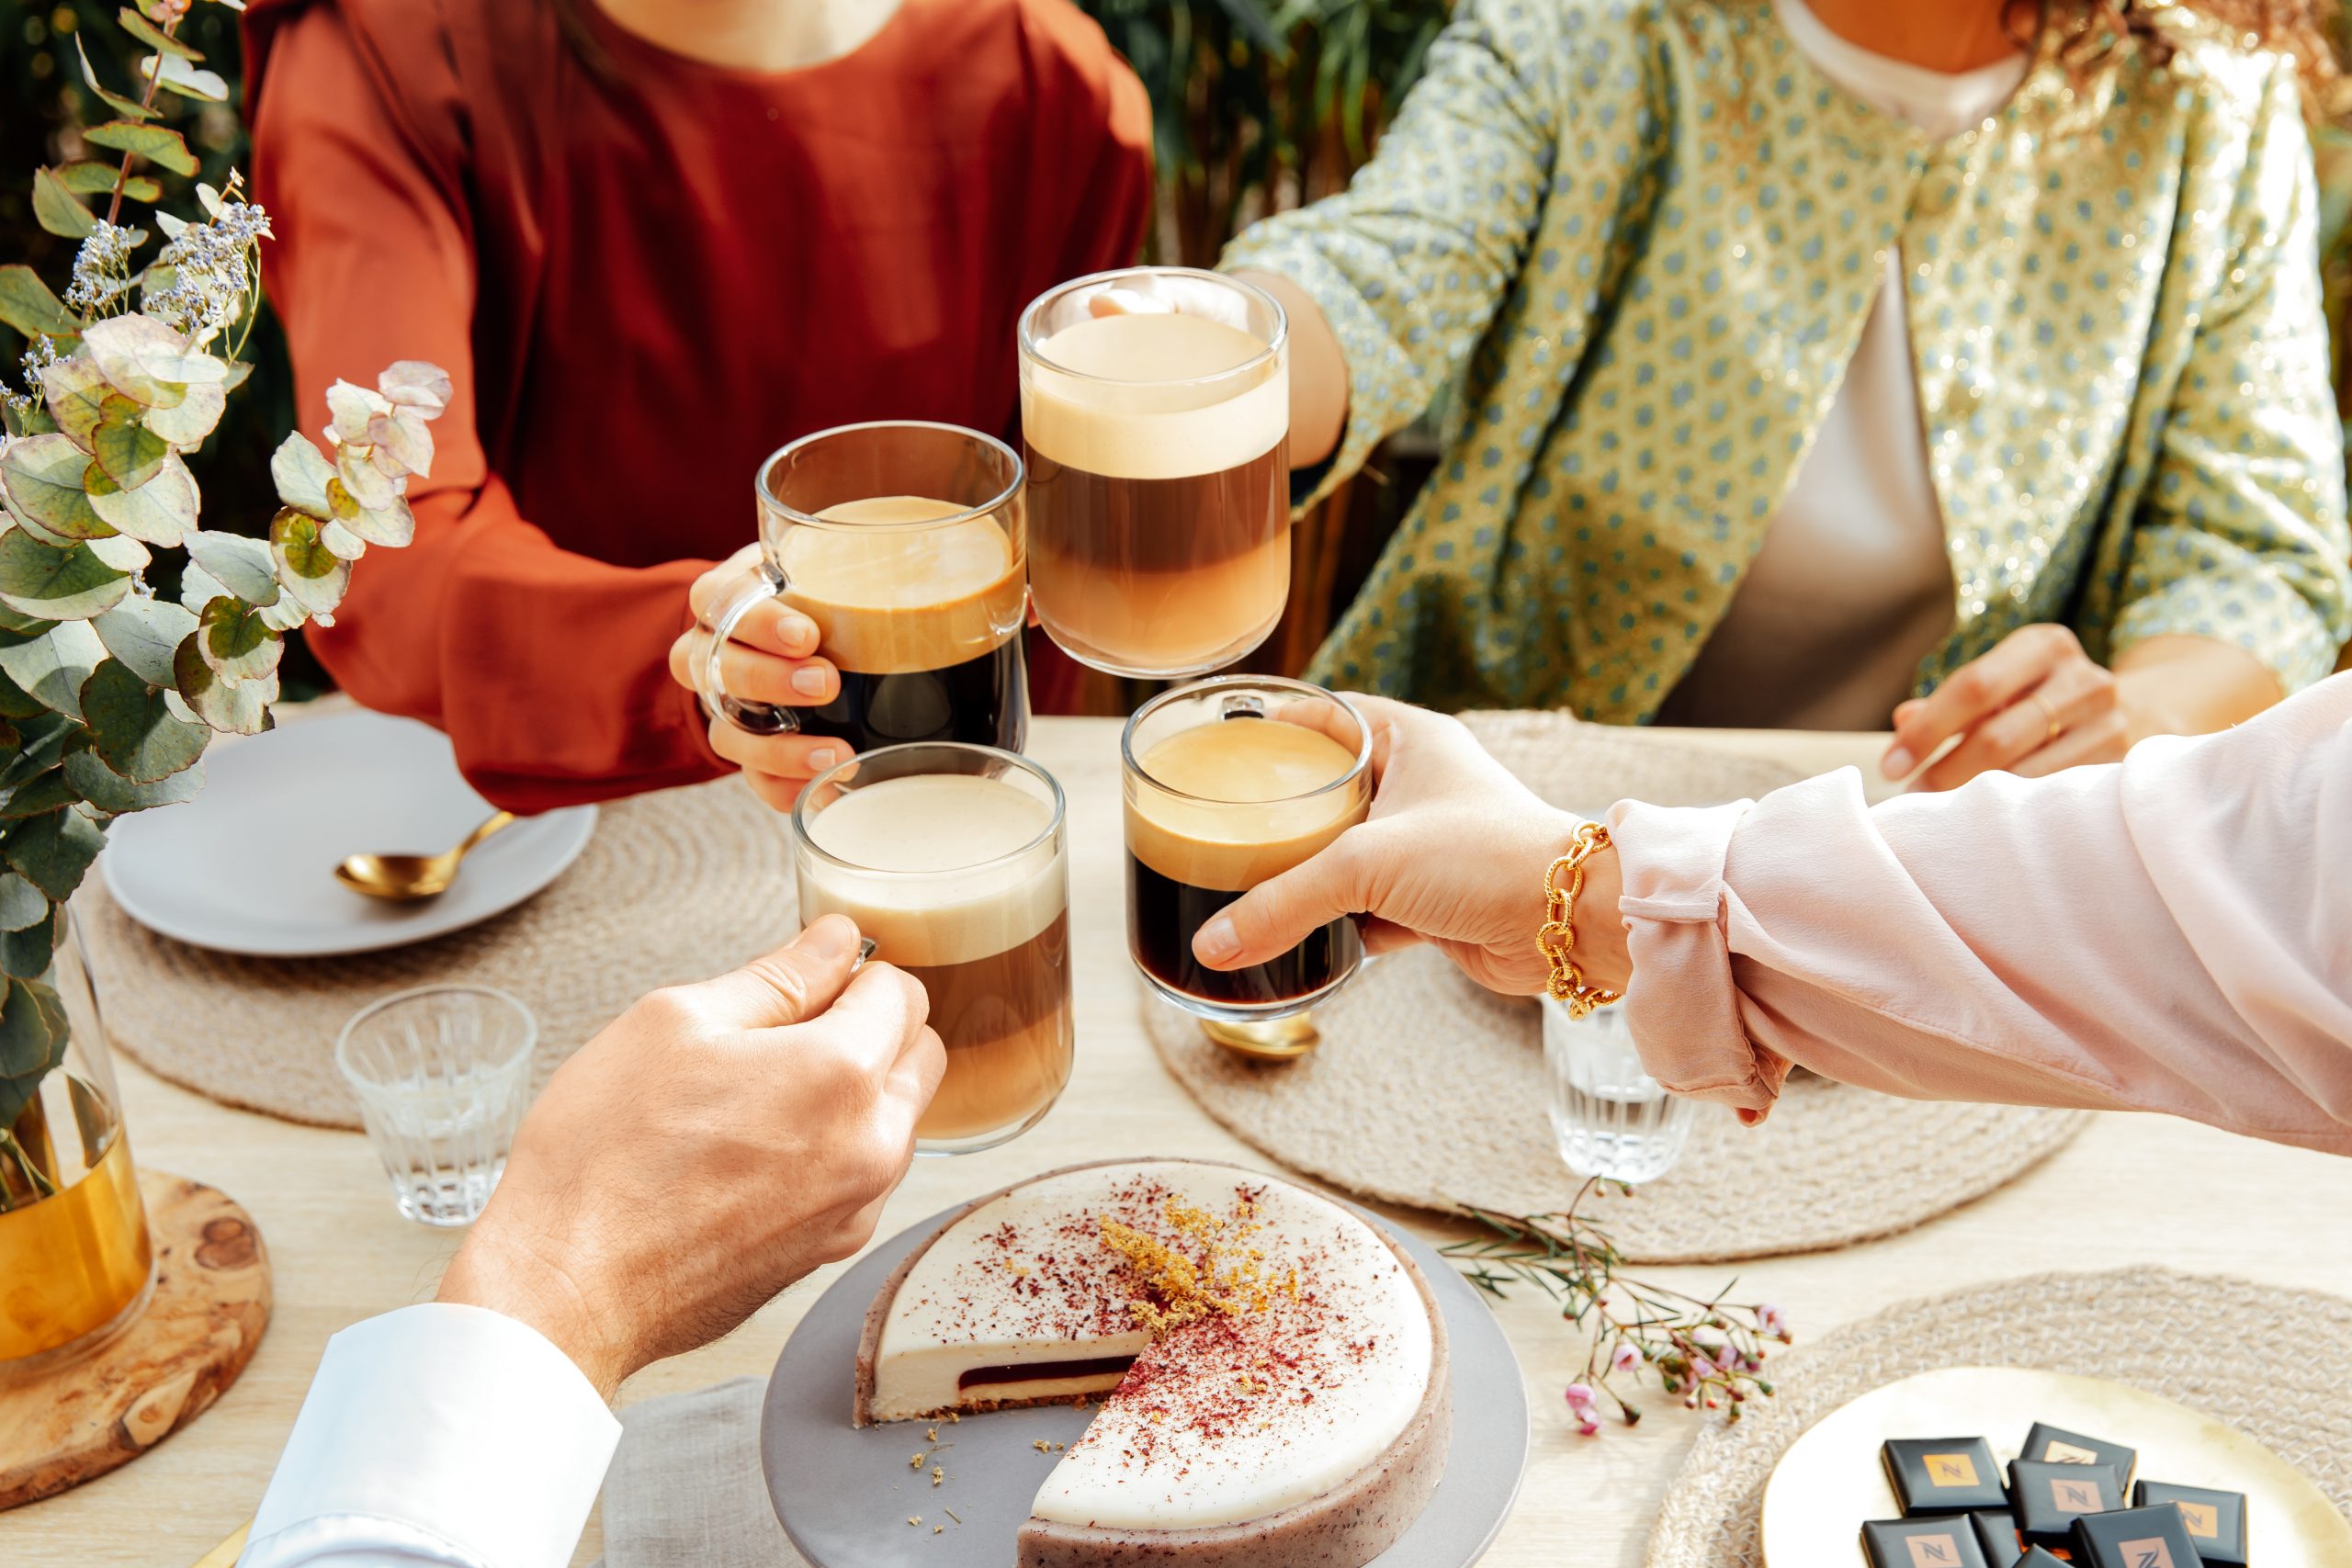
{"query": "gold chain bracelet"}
(1558, 939)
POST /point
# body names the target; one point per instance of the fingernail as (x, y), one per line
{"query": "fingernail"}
(1215, 942)
(832, 937)
(809, 682)
(1898, 763)
(823, 756)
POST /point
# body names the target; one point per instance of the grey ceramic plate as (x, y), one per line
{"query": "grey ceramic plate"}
(846, 1496)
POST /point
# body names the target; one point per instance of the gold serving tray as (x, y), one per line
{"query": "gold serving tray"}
(1830, 1480)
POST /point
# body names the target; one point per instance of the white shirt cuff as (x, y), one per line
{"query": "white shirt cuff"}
(438, 1434)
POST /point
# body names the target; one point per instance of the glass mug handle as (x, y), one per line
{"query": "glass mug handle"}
(759, 718)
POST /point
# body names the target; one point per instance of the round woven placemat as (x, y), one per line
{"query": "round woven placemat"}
(1429, 1090)
(2211, 1344)
(675, 886)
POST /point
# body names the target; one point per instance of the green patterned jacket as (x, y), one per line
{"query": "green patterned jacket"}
(1639, 240)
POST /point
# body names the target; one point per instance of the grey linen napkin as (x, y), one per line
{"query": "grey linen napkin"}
(685, 1489)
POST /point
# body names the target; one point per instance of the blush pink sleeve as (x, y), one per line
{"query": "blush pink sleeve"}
(2171, 933)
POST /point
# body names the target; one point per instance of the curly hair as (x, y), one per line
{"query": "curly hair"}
(2082, 32)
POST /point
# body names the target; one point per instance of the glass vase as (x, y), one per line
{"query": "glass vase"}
(75, 1262)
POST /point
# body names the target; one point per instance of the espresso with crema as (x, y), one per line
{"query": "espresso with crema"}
(922, 622)
(1225, 806)
(950, 878)
(1159, 507)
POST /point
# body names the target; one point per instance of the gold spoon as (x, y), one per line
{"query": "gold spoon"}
(403, 879)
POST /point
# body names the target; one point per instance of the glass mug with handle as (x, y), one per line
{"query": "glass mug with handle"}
(1155, 409)
(906, 544)
(954, 860)
(1228, 782)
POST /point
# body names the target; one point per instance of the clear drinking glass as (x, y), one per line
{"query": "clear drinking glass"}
(442, 1076)
(1609, 1117)
(1159, 442)
(954, 861)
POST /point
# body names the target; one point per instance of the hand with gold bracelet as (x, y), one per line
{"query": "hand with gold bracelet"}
(1456, 852)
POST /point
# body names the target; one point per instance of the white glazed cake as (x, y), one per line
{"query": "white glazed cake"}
(1272, 1369)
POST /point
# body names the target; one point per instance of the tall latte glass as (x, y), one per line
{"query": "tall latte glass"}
(954, 862)
(1228, 782)
(905, 543)
(1160, 472)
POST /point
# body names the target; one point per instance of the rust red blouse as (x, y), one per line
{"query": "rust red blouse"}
(644, 274)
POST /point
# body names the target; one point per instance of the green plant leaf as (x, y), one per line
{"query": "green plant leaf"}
(162, 512)
(301, 475)
(86, 178)
(187, 425)
(53, 852)
(147, 361)
(32, 1044)
(27, 304)
(17, 703)
(143, 633)
(20, 903)
(41, 740)
(52, 667)
(77, 391)
(124, 449)
(239, 709)
(131, 731)
(243, 566)
(153, 36)
(307, 569)
(129, 109)
(120, 551)
(57, 210)
(114, 794)
(57, 585)
(37, 795)
(237, 645)
(43, 475)
(392, 523)
(26, 954)
(186, 80)
(160, 145)
(286, 614)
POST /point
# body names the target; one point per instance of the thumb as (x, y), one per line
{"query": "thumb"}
(797, 981)
(1282, 911)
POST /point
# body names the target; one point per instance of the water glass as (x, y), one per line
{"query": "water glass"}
(1611, 1118)
(442, 1074)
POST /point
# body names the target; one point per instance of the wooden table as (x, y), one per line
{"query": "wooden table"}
(2136, 1189)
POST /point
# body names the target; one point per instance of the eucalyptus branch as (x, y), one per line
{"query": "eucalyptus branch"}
(35, 1178)
(147, 103)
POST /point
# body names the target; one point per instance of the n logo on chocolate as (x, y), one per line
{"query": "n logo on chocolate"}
(2147, 1554)
(2056, 1452)
(1934, 1551)
(1949, 1470)
(2077, 1497)
(2202, 1518)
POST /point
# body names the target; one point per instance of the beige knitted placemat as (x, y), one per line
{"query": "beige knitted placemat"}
(1429, 1090)
(2211, 1344)
(674, 886)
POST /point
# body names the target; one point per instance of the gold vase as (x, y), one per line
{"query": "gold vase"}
(75, 1262)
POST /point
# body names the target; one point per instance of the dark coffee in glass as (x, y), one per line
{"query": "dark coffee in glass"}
(1229, 781)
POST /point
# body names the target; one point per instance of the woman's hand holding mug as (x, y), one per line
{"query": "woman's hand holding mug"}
(772, 658)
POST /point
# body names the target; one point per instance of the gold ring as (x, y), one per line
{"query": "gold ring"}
(2057, 727)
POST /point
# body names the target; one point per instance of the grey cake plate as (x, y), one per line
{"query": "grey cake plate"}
(845, 1494)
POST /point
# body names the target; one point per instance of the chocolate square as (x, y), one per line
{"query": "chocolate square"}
(2135, 1537)
(1998, 1535)
(2045, 1444)
(1922, 1544)
(2215, 1521)
(1943, 1475)
(2048, 1498)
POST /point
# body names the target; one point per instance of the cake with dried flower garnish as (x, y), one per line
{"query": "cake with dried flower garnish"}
(1272, 1370)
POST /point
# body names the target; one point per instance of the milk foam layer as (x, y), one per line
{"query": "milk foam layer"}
(1122, 396)
(889, 597)
(938, 825)
(1229, 803)
(1338, 1366)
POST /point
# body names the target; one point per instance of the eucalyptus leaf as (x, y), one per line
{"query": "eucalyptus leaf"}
(369, 485)
(45, 476)
(188, 81)
(55, 853)
(39, 795)
(32, 1044)
(143, 633)
(307, 569)
(113, 793)
(124, 448)
(237, 644)
(197, 588)
(77, 390)
(52, 667)
(100, 179)
(153, 36)
(17, 703)
(129, 109)
(58, 585)
(57, 210)
(160, 145)
(417, 384)
(131, 731)
(147, 360)
(239, 709)
(286, 614)
(20, 903)
(27, 305)
(243, 567)
(302, 474)
(27, 955)
(41, 740)
(342, 541)
(162, 512)
(121, 552)
(189, 423)
(392, 523)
